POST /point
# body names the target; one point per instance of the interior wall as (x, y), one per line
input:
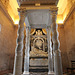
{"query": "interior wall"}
(67, 41)
(8, 35)
(63, 48)
(69, 28)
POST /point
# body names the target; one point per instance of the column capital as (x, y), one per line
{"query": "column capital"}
(53, 10)
(22, 11)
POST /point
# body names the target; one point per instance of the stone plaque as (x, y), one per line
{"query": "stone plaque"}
(39, 62)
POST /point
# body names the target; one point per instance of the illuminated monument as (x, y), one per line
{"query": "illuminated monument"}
(38, 14)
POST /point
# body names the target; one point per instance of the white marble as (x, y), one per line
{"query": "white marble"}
(19, 47)
(50, 55)
(38, 17)
(51, 73)
(27, 49)
(56, 45)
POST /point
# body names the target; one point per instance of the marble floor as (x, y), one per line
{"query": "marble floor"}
(37, 73)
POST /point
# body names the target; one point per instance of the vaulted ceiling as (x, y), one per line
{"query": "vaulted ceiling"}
(14, 6)
(63, 9)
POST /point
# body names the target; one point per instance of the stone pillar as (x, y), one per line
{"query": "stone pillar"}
(50, 54)
(26, 59)
(19, 47)
(56, 44)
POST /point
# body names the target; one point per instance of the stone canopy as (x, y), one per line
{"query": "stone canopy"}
(38, 18)
(33, 2)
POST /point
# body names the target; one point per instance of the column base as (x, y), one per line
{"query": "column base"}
(51, 73)
(57, 62)
(25, 73)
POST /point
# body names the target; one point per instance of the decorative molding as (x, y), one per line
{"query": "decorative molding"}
(38, 26)
(44, 31)
(33, 31)
(5, 3)
(50, 7)
(69, 13)
(6, 13)
(43, 2)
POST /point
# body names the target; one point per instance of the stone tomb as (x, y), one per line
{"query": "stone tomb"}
(39, 52)
(38, 63)
(34, 17)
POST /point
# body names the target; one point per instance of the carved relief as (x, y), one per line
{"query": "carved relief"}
(38, 44)
(38, 32)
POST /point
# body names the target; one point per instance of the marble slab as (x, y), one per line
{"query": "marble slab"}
(38, 62)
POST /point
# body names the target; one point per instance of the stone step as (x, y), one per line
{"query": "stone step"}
(41, 73)
(38, 70)
(37, 73)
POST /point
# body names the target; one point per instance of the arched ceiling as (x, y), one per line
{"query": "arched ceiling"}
(62, 6)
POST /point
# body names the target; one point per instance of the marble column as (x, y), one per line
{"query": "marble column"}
(19, 47)
(50, 54)
(26, 59)
(56, 45)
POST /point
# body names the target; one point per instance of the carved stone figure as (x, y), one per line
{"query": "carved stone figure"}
(39, 43)
(38, 32)
(38, 53)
